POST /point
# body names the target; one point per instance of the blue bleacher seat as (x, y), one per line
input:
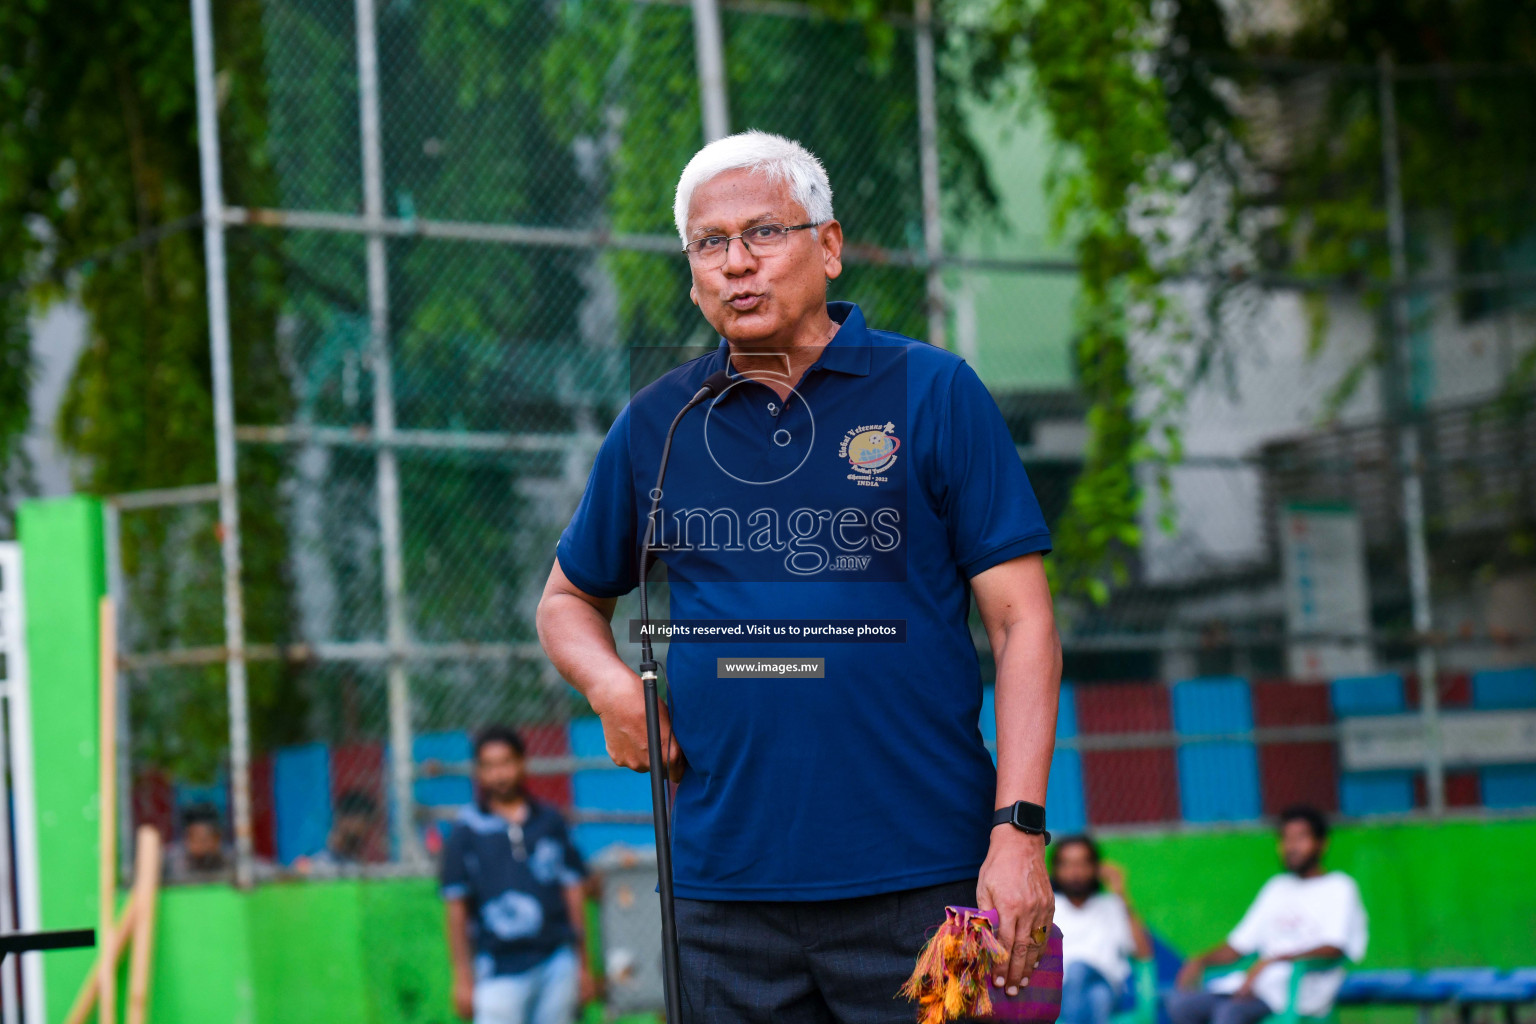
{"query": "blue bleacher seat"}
(1446, 983)
(1218, 780)
(988, 720)
(1380, 694)
(606, 789)
(1506, 786)
(1499, 689)
(1213, 704)
(1370, 986)
(446, 790)
(1362, 793)
(1066, 808)
(1066, 811)
(301, 800)
(1509, 989)
(1066, 712)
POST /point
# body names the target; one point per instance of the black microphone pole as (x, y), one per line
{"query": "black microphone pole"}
(672, 985)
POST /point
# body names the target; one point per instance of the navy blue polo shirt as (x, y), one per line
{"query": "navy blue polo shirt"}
(876, 491)
(515, 889)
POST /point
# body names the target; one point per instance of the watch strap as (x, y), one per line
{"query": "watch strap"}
(1024, 816)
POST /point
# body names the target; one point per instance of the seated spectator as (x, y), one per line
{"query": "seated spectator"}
(355, 839)
(199, 854)
(1305, 913)
(1099, 930)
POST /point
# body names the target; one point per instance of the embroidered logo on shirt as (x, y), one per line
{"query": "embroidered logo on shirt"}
(871, 452)
(548, 861)
(513, 915)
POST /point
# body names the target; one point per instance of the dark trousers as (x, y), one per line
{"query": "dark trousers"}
(823, 962)
(1210, 1008)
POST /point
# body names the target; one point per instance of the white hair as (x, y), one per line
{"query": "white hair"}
(778, 158)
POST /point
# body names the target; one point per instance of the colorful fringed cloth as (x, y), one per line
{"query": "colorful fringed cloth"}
(954, 975)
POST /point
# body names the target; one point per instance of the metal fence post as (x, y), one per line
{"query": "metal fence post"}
(112, 539)
(16, 758)
(386, 460)
(1409, 454)
(928, 144)
(709, 53)
(224, 436)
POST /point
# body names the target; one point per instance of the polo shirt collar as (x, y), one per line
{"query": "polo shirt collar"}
(847, 352)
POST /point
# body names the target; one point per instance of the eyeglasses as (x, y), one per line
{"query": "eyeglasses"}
(760, 240)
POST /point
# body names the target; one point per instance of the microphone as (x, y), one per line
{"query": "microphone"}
(720, 380)
(716, 384)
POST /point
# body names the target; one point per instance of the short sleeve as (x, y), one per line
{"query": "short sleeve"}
(454, 871)
(1249, 934)
(597, 551)
(1346, 923)
(986, 498)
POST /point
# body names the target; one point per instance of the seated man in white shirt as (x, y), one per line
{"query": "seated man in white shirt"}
(1303, 914)
(1099, 931)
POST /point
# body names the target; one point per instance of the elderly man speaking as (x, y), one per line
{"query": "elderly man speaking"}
(829, 805)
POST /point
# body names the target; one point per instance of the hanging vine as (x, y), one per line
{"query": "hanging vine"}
(99, 200)
(1093, 70)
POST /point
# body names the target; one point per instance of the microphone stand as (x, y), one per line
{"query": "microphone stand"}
(660, 811)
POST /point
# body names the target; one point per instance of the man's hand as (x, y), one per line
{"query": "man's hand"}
(1113, 877)
(1191, 974)
(587, 988)
(1014, 882)
(1245, 990)
(576, 630)
(620, 704)
(463, 995)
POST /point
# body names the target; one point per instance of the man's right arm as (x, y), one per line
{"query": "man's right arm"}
(1244, 939)
(576, 632)
(1191, 975)
(457, 927)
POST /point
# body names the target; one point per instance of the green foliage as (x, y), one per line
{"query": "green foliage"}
(1152, 104)
(846, 88)
(1466, 141)
(98, 148)
(1094, 71)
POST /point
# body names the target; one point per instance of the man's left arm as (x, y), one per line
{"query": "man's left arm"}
(575, 894)
(1014, 600)
(1245, 990)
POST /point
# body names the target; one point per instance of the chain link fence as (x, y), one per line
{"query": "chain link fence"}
(456, 284)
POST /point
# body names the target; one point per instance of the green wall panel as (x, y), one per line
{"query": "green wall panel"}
(203, 957)
(306, 953)
(404, 954)
(1459, 893)
(63, 580)
(373, 953)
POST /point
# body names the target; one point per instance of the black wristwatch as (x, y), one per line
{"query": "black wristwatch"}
(1024, 816)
